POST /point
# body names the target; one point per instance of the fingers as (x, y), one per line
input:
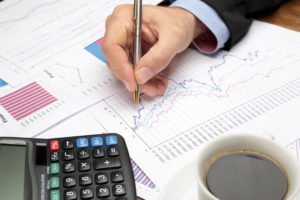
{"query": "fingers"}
(164, 35)
(148, 33)
(155, 87)
(114, 47)
(158, 57)
(118, 63)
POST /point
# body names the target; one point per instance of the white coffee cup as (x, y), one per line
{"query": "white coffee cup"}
(248, 141)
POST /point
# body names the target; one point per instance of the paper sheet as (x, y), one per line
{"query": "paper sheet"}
(248, 89)
(34, 32)
(47, 77)
(50, 54)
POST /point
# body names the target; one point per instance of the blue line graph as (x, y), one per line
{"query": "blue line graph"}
(251, 57)
(142, 107)
(191, 86)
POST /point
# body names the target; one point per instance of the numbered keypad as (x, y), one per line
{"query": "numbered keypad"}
(88, 168)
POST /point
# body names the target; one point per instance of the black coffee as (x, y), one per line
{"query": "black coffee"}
(246, 175)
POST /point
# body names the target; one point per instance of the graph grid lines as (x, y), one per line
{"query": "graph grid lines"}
(192, 138)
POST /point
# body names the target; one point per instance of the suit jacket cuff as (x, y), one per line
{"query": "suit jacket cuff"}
(217, 32)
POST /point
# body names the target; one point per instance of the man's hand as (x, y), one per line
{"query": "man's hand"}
(166, 31)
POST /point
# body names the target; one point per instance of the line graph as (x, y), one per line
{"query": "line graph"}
(203, 103)
(76, 69)
(192, 87)
(167, 145)
(250, 88)
(52, 27)
(173, 99)
(81, 74)
(214, 87)
(212, 68)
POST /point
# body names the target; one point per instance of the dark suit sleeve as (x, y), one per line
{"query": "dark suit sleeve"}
(238, 14)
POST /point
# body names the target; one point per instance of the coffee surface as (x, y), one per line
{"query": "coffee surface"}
(246, 176)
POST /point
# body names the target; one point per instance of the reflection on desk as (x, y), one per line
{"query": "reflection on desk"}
(288, 16)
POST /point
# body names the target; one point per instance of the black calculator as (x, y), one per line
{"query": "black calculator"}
(86, 167)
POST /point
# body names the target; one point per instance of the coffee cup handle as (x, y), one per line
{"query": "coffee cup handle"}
(268, 135)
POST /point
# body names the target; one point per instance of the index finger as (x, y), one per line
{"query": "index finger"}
(115, 47)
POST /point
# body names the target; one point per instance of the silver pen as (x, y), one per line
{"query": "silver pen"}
(137, 51)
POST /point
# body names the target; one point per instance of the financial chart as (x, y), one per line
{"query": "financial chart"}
(35, 32)
(207, 96)
(63, 88)
(26, 100)
(49, 52)
(210, 100)
(95, 49)
(54, 69)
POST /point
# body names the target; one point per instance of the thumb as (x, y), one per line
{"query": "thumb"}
(156, 59)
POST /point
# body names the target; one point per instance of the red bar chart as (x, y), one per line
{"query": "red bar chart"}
(26, 100)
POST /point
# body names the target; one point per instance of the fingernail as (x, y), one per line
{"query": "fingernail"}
(126, 85)
(143, 75)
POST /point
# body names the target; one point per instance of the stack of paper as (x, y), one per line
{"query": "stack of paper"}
(53, 81)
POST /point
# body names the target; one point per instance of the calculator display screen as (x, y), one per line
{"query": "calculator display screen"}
(12, 171)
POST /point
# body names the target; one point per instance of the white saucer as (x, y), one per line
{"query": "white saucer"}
(182, 185)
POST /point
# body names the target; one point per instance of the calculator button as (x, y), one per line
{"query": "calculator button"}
(86, 193)
(84, 166)
(69, 181)
(101, 178)
(83, 154)
(121, 198)
(54, 157)
(70, 195)
(82, 143)
(68, 155)
(113, 151)
(97, 141)
(54, 183)
(54, 145)
(98, 153)
(119, 190)
(107, 163)
(68, 167)
(67, 144)
(54, 168)
(54, 195)
(85, 180)
(111, 140)
(116, 177)
(102, 191)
